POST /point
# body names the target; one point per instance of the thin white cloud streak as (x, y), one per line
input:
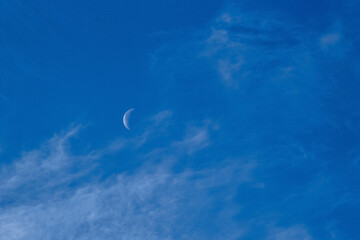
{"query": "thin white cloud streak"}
(245, 48)
(36, 166)
(270, 65)
(142, 206)
(55, 158)
(330, 39)
(296, 232)
(151, 203)
(156, 124)
(162, 118)
(334, 42)
(196, 139)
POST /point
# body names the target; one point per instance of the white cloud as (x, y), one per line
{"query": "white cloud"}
(35, 167)
(162, 117)
(297, 232)
(330, 39)
(152, 202)
(227, 70)
(142, 206)
(333, 42)
(195, 140)
(245, 48)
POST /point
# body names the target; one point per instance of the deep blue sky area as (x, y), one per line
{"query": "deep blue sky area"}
(246, 121)
(53, 52)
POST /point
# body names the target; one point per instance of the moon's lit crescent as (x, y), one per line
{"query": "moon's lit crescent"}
(126, 118)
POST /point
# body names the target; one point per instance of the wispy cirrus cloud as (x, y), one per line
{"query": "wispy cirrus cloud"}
(245, 48)
(195, 139)
(278, 76)
(32, 171)
(268, 168)
(330, 39)
(44, 194)
(333, 42)
(297, 232)
(141, 206)
(269, 65)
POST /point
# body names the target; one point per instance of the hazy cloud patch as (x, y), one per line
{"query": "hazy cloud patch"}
(150, 202)
(297, 232)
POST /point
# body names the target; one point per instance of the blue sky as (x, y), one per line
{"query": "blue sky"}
(246, 120)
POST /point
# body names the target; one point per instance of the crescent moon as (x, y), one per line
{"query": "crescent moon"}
(126, 118)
